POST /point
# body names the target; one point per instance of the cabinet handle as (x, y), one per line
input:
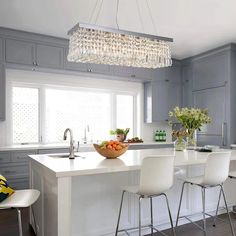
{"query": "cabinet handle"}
(223, 134)
(166, 80)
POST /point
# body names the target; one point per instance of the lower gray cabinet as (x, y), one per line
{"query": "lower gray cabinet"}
(15, 167)
(49, 56)
(2, 93)
(1, 50)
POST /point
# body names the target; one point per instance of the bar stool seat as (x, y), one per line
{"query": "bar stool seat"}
(146, 194)
(21, 199)
(156, 177)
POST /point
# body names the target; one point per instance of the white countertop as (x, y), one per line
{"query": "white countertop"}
(65, 145)
(94, 163)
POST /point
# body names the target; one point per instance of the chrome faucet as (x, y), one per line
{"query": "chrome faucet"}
(72, 153)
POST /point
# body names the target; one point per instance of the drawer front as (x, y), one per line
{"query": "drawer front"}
(14, 171)
(5, 157)
(21, 156)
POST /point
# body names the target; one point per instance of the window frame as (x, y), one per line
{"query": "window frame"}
(42, 104)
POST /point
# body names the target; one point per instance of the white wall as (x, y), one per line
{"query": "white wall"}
(146, 131)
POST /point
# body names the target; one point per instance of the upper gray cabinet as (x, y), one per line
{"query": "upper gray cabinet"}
(123, 71)
(49, 56)
(143, 73)
(211, 71)
(187, 99)
(32, 54)
(1, 50)
(2, 93)
(20, 52)
(98, 69)
(161, 96)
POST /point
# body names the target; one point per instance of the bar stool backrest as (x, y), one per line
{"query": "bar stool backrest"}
(217, 168)
(157, 174)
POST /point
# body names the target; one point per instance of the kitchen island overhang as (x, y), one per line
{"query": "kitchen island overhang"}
(81, 196)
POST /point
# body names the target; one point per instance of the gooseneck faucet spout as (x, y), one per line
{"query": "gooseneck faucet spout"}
(72, 154)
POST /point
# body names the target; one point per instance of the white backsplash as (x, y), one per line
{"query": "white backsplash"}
(149, 130)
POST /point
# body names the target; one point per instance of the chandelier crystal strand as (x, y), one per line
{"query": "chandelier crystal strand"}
(91, 45)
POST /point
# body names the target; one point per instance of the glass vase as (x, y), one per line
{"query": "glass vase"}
(192, 138)
(180, 144)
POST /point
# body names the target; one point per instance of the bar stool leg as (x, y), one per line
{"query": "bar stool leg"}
(171, 221)
(19, 222)
(35, 224)
(204, 209)
(226, 206)
(118, 222)
(140, 216)
(151, 216)
(180, 202)
(217, 209)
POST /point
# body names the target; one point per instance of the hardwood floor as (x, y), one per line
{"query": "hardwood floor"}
(9, 226)
(9, 223)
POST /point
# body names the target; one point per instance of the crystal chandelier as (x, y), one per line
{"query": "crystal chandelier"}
(94, 44)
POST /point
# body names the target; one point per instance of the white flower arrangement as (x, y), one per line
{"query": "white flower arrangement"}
(191, 118)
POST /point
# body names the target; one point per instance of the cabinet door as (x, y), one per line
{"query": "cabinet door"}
(212, 71)
(98, 69)
(143, 73)
(174, 95)
(1, 50)
(123, 71)
(76, 66)
(187, 99)
(2, 93)
(20, 52)
(160, 100)
(49, 56)
(215, 100)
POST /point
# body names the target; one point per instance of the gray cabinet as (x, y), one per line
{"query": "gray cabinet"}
(211, 71)
(187, 98)
(143, 73)
(215, 100)
(98, 69)
(161, 96)
(1, 50)
(49, 56)
(123, 71)
(15, 167)
(2, 93)
(20, 52)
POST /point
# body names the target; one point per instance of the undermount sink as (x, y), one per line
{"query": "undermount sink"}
(63, 155)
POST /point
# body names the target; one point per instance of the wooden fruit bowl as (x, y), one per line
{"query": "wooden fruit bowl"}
(110, 154)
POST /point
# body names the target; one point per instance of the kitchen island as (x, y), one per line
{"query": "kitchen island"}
(81, 197)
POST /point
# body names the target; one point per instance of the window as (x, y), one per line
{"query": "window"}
(25, 115)
(77, 110)
(42, 113)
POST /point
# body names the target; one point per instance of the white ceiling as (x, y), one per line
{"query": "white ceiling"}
(195, 25)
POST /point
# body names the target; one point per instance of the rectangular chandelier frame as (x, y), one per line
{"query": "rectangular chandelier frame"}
(117, 31)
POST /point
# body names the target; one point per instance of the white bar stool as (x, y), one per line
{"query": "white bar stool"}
(156, 177)
(21, 199)
(216, 172)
